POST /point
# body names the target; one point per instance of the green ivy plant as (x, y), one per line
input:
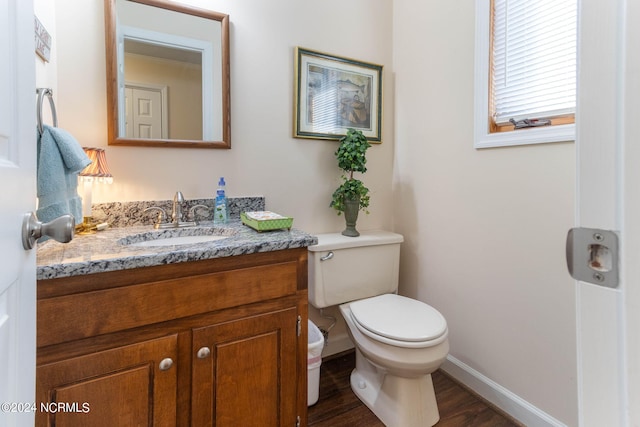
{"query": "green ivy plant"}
(351, 155)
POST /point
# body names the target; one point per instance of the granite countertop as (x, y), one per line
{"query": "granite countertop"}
(105, 251)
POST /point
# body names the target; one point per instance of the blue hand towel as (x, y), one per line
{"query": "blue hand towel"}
(60, 159)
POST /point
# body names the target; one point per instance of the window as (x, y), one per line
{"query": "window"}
(525, 70)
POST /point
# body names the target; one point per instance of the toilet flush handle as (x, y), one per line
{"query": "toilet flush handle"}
(327, 257)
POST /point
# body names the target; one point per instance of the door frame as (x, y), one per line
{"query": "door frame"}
(608, 320)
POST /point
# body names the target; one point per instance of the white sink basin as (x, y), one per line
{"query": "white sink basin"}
(178, 240)
(173, 237)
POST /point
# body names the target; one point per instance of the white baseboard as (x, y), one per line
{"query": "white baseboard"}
(499, 396)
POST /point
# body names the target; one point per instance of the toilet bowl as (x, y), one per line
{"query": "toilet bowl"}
(393, 374)
(399, 341)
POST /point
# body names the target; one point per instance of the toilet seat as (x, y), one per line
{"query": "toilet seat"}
(399, 321)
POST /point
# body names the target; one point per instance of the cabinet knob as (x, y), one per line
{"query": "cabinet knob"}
(203, 353)
(166, 364)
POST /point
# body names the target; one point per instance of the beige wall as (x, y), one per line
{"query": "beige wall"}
(484, 229)
(297, 176)
(46, 72)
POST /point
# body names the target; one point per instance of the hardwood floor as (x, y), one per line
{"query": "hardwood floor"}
(338, 407)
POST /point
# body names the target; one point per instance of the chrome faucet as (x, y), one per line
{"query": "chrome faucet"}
(161, 216)
(177, 219)
(176, 209)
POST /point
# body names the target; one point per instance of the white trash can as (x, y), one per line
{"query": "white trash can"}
(314, 360)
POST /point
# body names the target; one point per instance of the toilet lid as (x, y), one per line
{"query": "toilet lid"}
(399, 318)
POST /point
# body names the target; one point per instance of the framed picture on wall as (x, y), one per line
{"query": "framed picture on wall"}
(333, 94)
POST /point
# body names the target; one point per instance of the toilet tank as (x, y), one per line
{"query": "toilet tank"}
(343, 269)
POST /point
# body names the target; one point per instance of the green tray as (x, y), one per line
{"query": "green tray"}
(277, 223)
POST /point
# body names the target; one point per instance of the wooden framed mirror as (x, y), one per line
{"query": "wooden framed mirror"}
(168, 75)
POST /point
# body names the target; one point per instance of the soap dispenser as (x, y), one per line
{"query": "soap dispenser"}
(221, 213)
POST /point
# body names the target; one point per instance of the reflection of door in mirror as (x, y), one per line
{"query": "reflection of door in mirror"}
(168, 88)
(146, 111)
(167, 74)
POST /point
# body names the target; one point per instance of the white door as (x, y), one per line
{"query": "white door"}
(147, 117)
(631, 212)
(608, 160)
(145, 109)
(17, 197)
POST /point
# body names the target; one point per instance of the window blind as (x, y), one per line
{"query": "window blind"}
(533, 59)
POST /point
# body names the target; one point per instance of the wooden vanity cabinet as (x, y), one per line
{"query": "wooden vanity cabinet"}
(249, 379)
(219, 342)
(123, 386)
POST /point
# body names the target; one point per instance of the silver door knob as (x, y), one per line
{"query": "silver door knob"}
(60, 229)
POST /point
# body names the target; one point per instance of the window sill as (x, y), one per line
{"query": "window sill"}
(539, 135)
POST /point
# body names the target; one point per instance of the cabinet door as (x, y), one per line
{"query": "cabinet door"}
(133, 385)
(244, 372)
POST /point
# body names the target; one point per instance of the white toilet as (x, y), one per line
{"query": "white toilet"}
(399, 341)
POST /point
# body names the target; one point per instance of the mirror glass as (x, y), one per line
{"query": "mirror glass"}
(167, 74)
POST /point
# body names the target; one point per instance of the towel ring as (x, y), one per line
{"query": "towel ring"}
(42, 91)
